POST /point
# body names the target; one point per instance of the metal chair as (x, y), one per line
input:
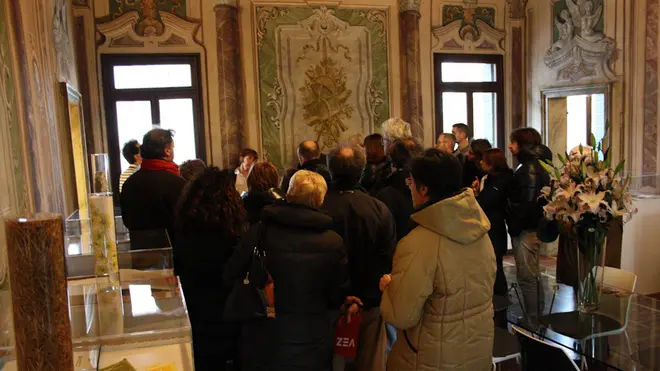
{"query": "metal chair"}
(539, 355)
(505, 347)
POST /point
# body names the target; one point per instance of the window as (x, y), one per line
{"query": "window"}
(147, 91)
(469, 89)
(585, 116)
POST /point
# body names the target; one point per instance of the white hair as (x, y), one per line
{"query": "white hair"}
(395, 128)
(307, 188)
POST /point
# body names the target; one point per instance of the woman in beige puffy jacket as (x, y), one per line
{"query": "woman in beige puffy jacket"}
(439, 295)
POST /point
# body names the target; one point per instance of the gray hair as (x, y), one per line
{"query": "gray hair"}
(307, 188)
(395, 128)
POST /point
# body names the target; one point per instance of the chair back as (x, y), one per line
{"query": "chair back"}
(618, 278)
(538, 355)
(613, 306)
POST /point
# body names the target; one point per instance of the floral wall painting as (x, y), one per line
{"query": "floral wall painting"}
(580, 48)
(468, 15)
(329, 83)
(149, 22)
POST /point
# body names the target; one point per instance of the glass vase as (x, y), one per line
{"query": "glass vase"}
(591, 259)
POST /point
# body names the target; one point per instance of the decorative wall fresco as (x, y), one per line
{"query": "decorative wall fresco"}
(50, 177)
(594, 12)
(468, 16)
(149, 22)
(11, 167)
(329, 83)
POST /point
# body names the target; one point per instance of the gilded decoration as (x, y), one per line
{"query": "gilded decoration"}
(150, 22)
(323, 74)
(325, 99)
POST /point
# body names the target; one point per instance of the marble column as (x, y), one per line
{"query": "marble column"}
(230, 81)
(411, 72)
(518, 46)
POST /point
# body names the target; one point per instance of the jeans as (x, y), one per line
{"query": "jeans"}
(526, 247)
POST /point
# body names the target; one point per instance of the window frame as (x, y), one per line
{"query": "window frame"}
(111, 96)
(470, 88)
(565, 92)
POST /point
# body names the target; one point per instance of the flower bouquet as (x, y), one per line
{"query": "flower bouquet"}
(584, 195)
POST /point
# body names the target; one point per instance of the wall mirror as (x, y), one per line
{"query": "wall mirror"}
(572, 114)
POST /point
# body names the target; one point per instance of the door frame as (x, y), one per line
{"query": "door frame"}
(112, 95)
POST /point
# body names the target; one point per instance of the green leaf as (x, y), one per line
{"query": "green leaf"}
(593, 140)
(581, 150)
(596, 158)
(608, 159)
(549, 168)
(620, 167)
(561, 158)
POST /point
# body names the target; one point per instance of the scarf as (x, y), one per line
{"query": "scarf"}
(160, 165)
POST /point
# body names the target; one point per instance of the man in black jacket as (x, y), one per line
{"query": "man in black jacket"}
(368, 230)
(396, 193)
(150, 195)
(527, 213)
(309, 158)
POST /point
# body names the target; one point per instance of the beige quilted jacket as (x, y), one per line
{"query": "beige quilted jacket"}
(441, 290)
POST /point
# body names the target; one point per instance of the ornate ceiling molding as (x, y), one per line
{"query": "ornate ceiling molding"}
(176, 33)
(483, 39)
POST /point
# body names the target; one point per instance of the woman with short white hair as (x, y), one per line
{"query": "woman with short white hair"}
(308, 189)
(307, 263)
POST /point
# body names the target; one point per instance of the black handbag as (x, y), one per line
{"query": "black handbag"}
(247, 300)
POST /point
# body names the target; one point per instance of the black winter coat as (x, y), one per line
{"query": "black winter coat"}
(368, 230)
(201, 255)
(307, 262)
(396, 195)
(493, 199)
(374, 175)
(529, 179)
(148, 200)
(255, 202)
(318, 166)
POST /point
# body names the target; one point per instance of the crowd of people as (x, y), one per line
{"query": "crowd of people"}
(407, 241)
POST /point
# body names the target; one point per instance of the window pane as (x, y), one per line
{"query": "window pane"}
(133, 121)
(576, 125)
(152, 76)
(454, 110)
(598, 116)
(177, 114)
(468, 72)
(484, 107)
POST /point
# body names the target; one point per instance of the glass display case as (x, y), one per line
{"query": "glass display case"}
(139, 323)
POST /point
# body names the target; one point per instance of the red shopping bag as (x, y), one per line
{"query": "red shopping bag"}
(347, 334)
